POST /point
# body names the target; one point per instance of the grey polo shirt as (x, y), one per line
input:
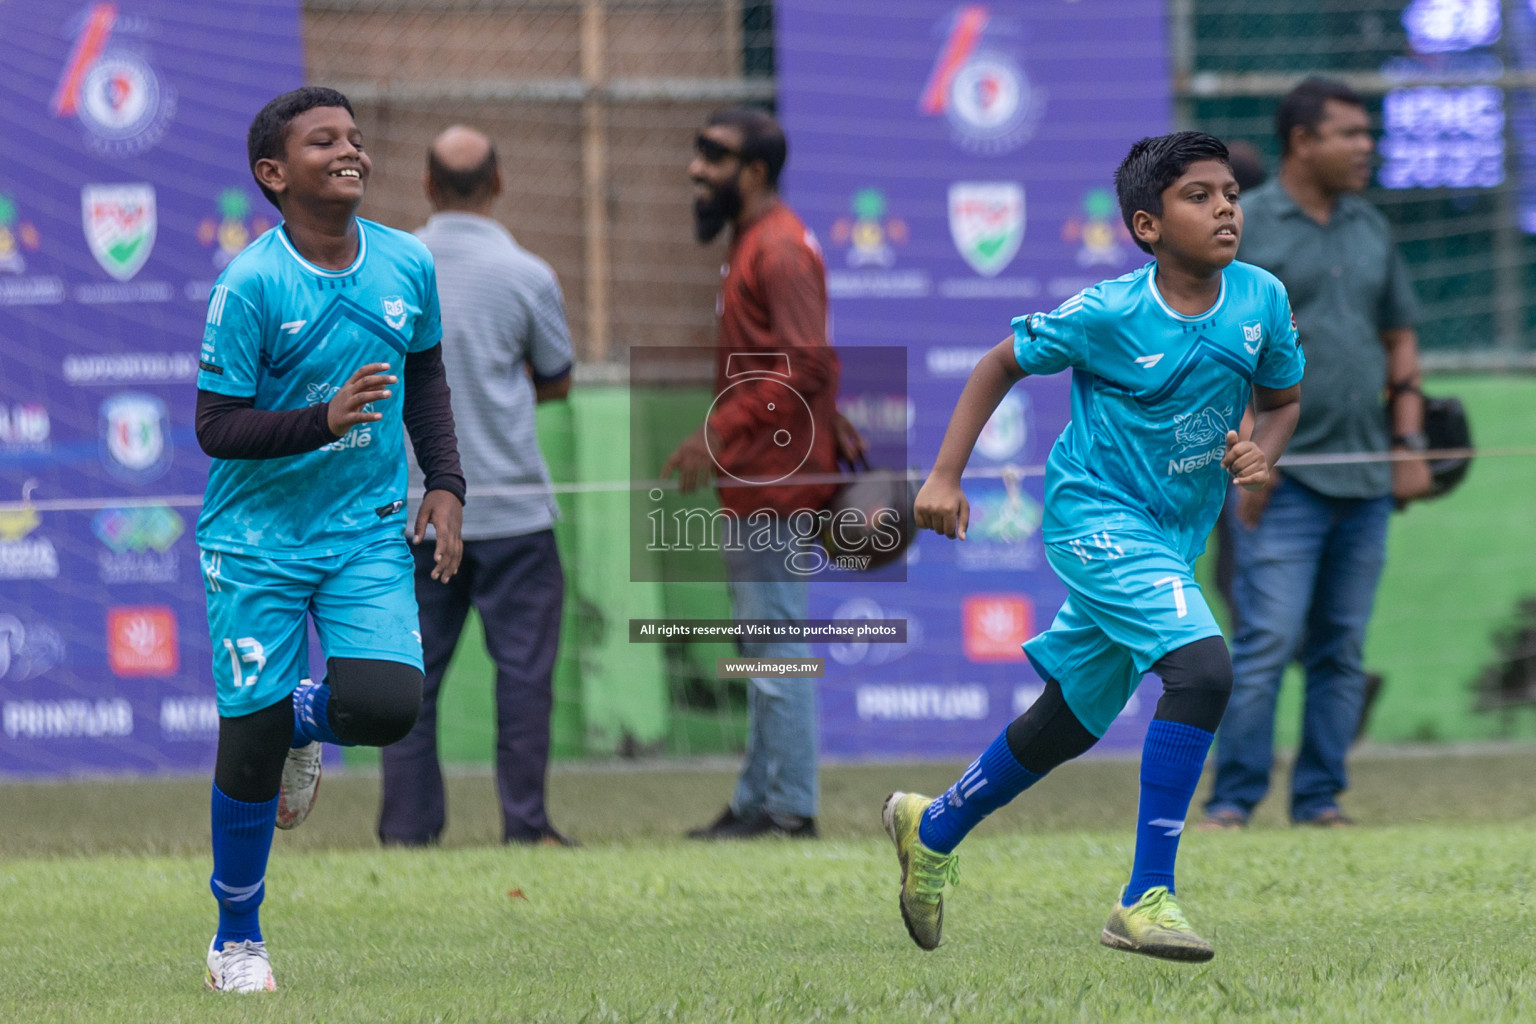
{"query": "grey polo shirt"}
(1347, 284)
(502, 312)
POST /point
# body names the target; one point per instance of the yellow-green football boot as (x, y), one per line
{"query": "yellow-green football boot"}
(923, 872)
(1155, 926)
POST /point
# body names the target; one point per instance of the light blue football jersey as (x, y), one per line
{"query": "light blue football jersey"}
(1154, 393)
(290, 334)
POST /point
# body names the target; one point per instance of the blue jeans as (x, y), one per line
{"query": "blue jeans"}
(1305, 581)
(780, 772)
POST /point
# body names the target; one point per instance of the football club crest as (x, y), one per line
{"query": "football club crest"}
(394, 311)
(109, 83)
(1253, 335)
(119, 222)
(136, 437)
(986, 221)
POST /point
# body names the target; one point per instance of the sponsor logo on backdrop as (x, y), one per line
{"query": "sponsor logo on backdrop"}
(141, 641)
(995, 625)
(19, 236)
(1451, 26)
(119, 222)
(24, 427)
(233, 228)
(1099, 232)
(27, 649)
(869, 238)
(118, 368)
(67, 719)
(978, 84)
(1004, 523)
(862, 652)
(189, 718)
(109, 83)
(879, 417)
(986, 221)
(138, 543)
(135, 437)
(22, 555)
(953, 362)
(16, 236)
(1005, 432)
(921, 702)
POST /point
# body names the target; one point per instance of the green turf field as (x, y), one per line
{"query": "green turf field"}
(1422, 914)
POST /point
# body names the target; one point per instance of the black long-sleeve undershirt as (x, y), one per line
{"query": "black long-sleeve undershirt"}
(230, 428)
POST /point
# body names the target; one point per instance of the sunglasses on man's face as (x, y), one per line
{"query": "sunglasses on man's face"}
(713, 152)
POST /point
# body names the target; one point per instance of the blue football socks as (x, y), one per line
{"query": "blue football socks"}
(311, 719)
(242, 838)
(1171, 760)
(992, 780)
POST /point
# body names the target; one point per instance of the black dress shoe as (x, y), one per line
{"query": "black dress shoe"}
(730, 826)
(549, 837)
(727, 820)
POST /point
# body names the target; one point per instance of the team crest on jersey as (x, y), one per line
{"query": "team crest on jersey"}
(1200, 429)
(119, 222)
(136, 437)
(394, 311)
(1253, 334)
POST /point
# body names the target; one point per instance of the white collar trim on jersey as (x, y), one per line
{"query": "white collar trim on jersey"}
(362, 250)
(1152, 287)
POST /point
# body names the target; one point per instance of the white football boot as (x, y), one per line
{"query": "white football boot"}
(301, 783)
(240, 967)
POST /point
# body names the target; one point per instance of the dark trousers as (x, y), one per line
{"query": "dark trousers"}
(516, 585)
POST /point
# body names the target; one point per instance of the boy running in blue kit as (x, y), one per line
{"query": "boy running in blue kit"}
(1164, 361)
(308, 332)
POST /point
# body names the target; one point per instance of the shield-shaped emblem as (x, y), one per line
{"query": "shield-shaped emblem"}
(986, 220)
(136, 436)
(394, 311)
(119, 223)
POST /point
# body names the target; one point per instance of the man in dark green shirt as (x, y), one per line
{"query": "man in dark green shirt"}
(1310, 549)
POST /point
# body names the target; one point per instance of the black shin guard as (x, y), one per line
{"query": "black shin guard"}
(1197, 681)
(373, 703)
(1048, 734)
(252, 749)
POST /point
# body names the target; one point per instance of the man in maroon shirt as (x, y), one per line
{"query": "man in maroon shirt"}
(772, 346)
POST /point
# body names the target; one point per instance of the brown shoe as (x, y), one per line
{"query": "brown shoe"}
(1223, 821)
(1331, 818)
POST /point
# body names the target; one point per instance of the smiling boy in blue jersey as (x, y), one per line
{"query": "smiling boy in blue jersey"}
(304, 513)
(1164, 361)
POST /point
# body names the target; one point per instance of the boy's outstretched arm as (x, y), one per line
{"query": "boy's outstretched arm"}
(1251, 463)
(941, 504)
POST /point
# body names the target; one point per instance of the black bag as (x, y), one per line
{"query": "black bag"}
(1446, 427)
(869, 521)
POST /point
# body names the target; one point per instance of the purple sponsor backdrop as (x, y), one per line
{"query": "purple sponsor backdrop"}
(123, 192)
(956, 163)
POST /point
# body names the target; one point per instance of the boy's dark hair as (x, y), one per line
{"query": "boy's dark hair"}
(462, 182)
(1155, 163)
(761, 138)
(268, 137)
(1304, 105)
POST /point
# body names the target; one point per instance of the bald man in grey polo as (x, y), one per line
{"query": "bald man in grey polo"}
(505, 347)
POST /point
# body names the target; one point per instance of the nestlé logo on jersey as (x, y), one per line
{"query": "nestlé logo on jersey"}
(120, 224)
(360, 436)
(110, 85)
(135, 437)
(1207, 430)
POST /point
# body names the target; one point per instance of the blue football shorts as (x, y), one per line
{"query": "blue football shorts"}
(1131, 598)
(363, 602)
